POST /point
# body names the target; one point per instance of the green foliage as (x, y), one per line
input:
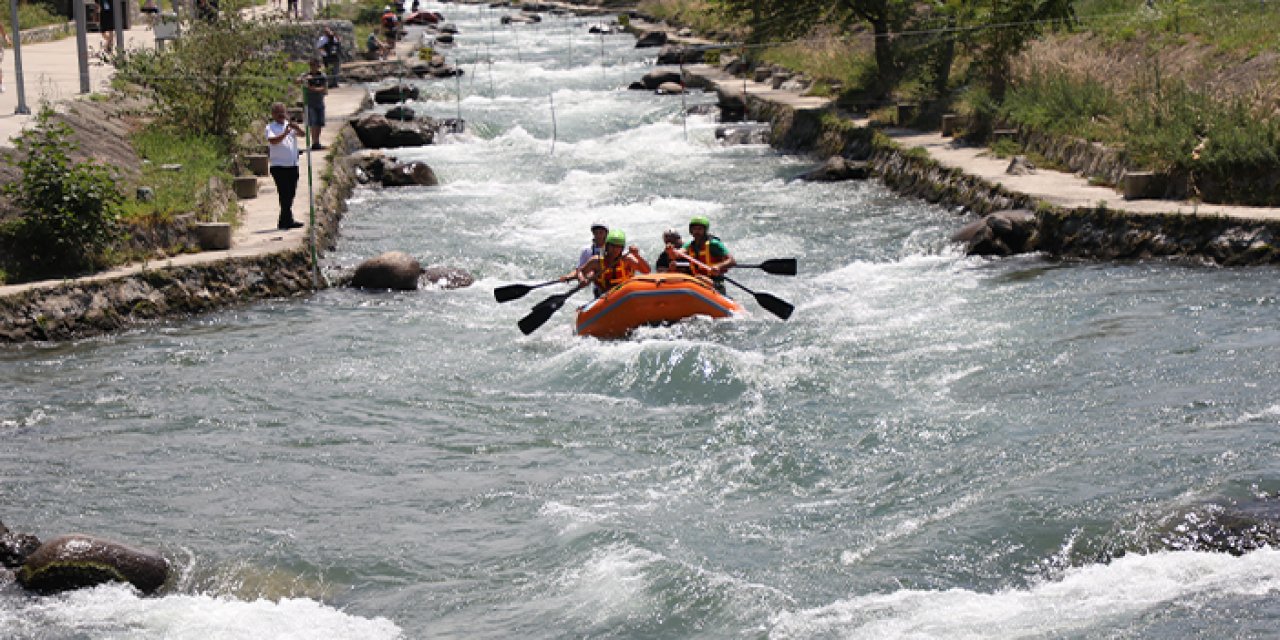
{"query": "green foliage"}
(69, 210)
(215, 80)
(32, 15)
(1248, 27)
(176, 192)
(1056, 103)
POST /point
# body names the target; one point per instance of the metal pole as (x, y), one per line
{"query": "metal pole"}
(82, 45)
(552, 99)
(311, 202)
(17, 61)
(117, 18)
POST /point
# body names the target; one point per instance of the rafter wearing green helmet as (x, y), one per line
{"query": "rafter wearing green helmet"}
(616, 237)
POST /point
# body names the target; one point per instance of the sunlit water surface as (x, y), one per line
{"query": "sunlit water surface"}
(933, 446)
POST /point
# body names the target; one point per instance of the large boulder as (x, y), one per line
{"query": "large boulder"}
(1003, 233)
(377, 132)
(394, 270)
(651, 39)
(76, 561)
(394, 94)
(672, 54)
(658, 77)
(836, 169)
(408, 175)
(448, 277)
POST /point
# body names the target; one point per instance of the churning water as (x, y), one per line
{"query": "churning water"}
(933, 446)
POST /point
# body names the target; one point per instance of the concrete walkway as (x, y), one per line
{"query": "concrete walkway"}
(1061, 189)
(51, 73)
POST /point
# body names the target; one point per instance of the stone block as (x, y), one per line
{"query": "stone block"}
(213, 236)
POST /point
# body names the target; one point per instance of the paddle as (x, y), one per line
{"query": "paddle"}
(777, 306)
(514, 291)
(543, 311)
(778, 266)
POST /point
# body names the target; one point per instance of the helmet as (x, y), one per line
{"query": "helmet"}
(599, 225)
(616, 237)
(671, 234)
(702, 220)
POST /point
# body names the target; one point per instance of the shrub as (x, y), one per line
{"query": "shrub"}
(69, 211)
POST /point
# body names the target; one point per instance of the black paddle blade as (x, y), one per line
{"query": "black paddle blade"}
(780, 266)
(511, 292)
(777, 306)
(536, 318)
(543, 311)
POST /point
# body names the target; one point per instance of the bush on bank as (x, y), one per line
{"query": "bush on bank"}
(69, 212)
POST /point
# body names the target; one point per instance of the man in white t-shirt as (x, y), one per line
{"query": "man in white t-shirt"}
(599, 231)
(282, 156)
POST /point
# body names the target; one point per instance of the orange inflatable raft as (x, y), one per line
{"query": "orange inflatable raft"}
(648, 299)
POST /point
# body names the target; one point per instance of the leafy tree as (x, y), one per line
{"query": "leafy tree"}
(919, 36)
(782, 19)
(993, 32)
(69, 211)
(218, 78)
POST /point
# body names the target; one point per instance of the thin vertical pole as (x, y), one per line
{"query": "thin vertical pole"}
(311, 202)
(82, 45)
(457, 77)
(17, 61)
(552, 99)
(117, 19)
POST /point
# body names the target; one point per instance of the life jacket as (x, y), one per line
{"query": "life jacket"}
(701, 254)
(610, 276)
(389, 21)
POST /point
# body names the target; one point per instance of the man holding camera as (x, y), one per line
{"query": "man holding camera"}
(282, 156)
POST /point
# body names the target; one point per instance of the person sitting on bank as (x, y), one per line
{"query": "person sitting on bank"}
(708, 250)
(375, 48)
(614, 267)
(672, 260)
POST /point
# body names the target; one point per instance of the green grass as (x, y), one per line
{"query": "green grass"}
(32, 15)
(201, 158)
(1245, 26)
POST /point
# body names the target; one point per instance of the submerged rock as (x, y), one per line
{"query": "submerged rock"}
(836, 169)
(16, 547)
(448, 277)
(76, 561)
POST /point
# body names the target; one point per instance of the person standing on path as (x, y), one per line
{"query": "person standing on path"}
(4, 42)
(329, 47)
(314, 89)
(282, 155)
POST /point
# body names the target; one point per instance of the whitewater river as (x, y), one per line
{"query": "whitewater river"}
(933, 446)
